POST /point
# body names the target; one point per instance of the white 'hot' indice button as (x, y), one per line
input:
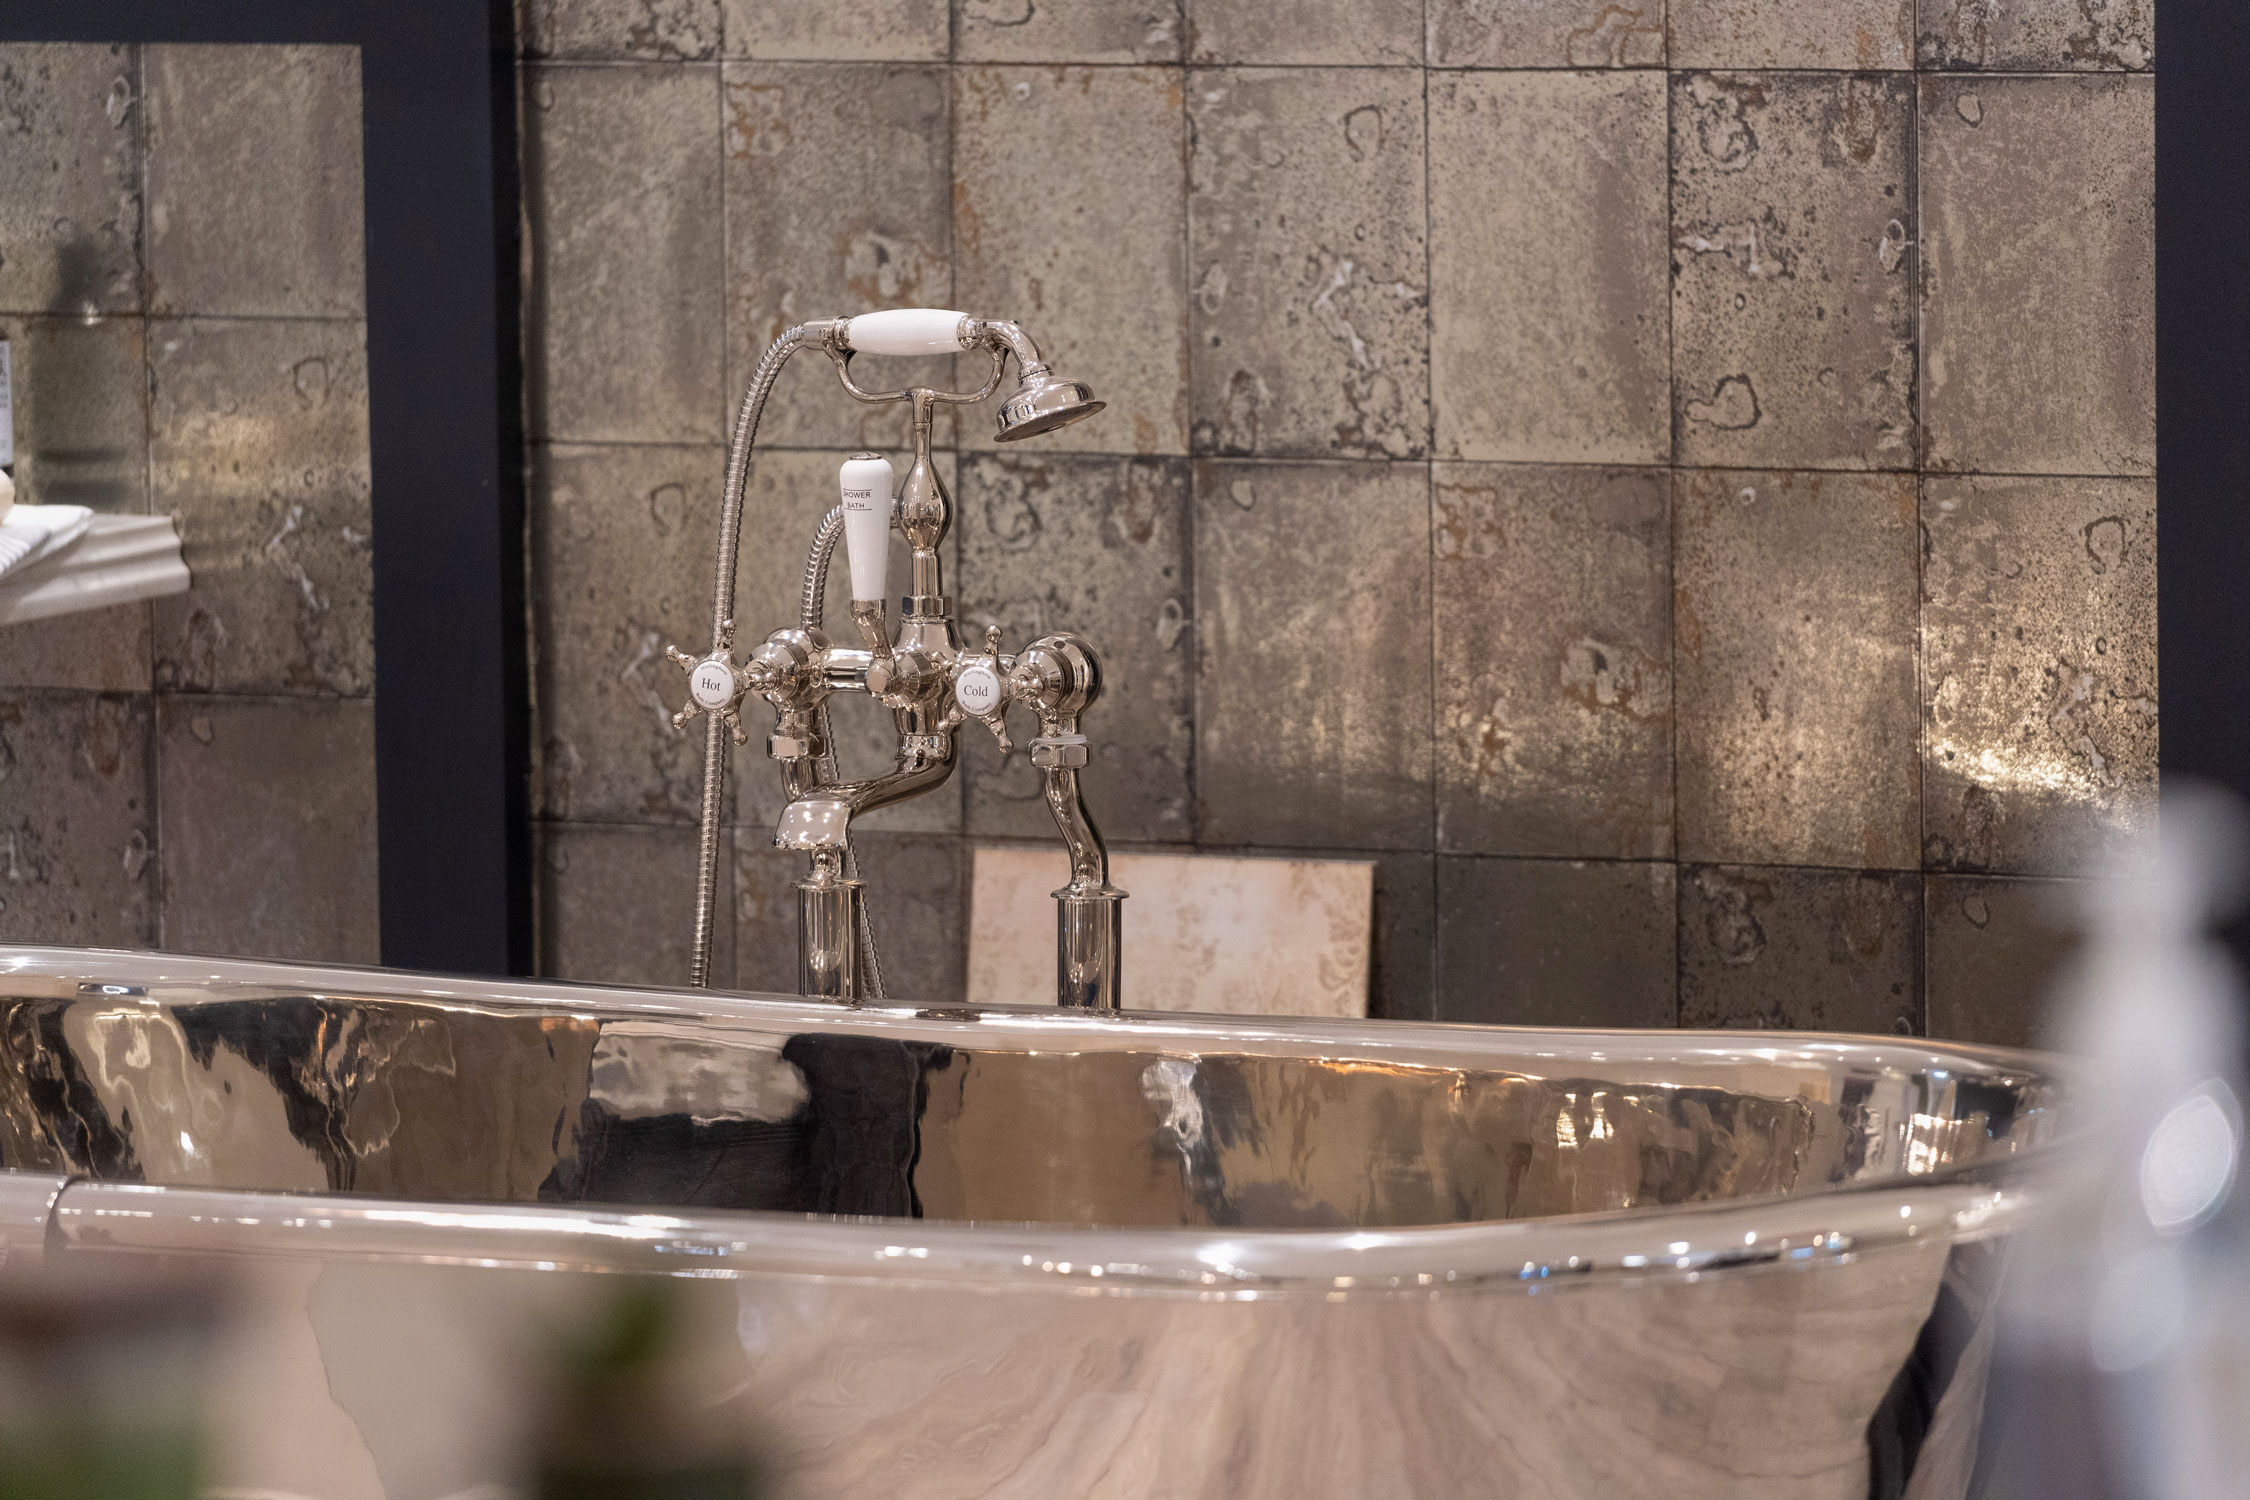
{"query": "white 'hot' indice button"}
(978, 688)
(712, 684)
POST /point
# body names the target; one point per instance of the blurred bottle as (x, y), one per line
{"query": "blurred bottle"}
(2126, 1367)
(639, 1410)
(101, 1380)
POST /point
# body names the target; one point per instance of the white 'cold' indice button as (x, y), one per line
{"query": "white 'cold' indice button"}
(712, 684)
(978, 689)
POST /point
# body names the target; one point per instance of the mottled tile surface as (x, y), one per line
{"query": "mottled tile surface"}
(1307, 254)
(624, 295)
(1067, 31)
(616, 905)
(77, 820)
(70, 197)
(644, 30)
(1794, 623)
(1552, 602)
(916, 887)
(1793, 270)
(1404, 986)
(620, 568)
(1995, 948)
(1549, 942)
(1802, 950)
(2091, 35)
(268, 827)
(797, 248)
(80, 392)
(1304, 31)
(788, 494)
(1546, 33)
(1549, 326)
(1098, 546)
(1855, 34)
(1313, 666)
(259, 452)
(2039, 644)
(2039, 311)
(863, 31)
(102, 650)
(255, 205)
(1070, 216)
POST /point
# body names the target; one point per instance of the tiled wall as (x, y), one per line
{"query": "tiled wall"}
(181, 281)
(1674, 489)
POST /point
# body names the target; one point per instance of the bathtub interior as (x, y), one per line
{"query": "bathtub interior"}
(987, 1116)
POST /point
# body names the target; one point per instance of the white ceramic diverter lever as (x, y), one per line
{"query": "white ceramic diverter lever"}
(867, 482)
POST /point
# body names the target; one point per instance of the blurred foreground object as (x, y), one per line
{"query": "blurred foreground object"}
(2125, 1368)
(101, 1381)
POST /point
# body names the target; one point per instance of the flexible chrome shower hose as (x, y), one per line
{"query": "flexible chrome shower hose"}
(722, 624)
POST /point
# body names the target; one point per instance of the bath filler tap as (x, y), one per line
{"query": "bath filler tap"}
(931, 682)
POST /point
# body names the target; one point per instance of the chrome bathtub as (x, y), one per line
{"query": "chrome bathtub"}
(1034, 1253)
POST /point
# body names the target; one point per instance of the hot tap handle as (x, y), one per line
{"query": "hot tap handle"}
(716, 684)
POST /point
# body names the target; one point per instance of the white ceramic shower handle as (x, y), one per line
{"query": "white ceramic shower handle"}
(867, 484)
(905, 330)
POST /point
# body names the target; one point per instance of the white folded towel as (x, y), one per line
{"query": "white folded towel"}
(31, 532)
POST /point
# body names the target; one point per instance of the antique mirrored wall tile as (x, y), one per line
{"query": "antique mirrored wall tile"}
(70, 197)
(616, 903)
(1793, 627)
(1067, 31)
(621, 568)
(2039, 289)
(268, 827)
(642, 30)
(1551, 942)
(1308, 254)
(101, 651)
(1793, 270)
(2040, 673)
(258, 449)
(77, 820)
(1546, 33)
(1313, 654)
(2088, 35)
(1779, 948)
(1070, 216)
(255, 204)
(915, 885)
(624, 301)
(1864, 35)
(1098, 546)
(863, 31)
(1996, 947)
(1305, 31)
(788, 493)
(79, 389)
(1549, 318)
(839, 201)
(1552, 600)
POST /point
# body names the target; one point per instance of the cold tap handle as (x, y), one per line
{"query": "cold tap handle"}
(867, 483)
(906, 330)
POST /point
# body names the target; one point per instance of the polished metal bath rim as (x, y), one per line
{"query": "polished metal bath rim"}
(1944, 1199)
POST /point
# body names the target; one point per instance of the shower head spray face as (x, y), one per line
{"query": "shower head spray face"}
(1043, 402)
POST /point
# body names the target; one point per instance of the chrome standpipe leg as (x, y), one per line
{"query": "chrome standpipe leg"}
(1088, 951)
(831, 913)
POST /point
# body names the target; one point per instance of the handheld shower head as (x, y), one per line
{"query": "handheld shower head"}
(1042, 402)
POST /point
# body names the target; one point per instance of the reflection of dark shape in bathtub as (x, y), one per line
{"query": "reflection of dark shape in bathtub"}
(836, 1130)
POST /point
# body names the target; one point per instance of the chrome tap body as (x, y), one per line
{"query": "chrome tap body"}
(922, 673)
